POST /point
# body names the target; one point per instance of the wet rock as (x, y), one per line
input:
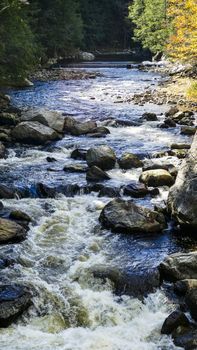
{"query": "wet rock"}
(76, 168)
(102, 130)
(170, 122)
(181, 115)
(52, 119)
(173, 321)
(129, 161)
(2, 150)
(1, 206)
(7, 119)
(69, 123)
(4, 101)
(151, 117)
(124, 216)
(179, 153)
(51, 159)
(79, 154)
(19, 215)
(102, 157)
(179, 266)
(157, 177)
(4, 137)
(180, 146)
(79, 129)
(129, 283)
(163, 126)
(44, 191)
(7, 193)
(10, 231)
(123, 122)
(14, 300)
(182, 202)
(34, 133)
(135, 190)
(185, 337)
(191, 301)
(96, 174)
(188, 130)
(110, 192)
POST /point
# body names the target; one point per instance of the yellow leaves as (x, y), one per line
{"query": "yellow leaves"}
(183, 41)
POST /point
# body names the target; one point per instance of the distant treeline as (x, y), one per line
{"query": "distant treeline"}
(35, 30)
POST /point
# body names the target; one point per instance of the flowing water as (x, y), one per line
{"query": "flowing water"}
(71, 309)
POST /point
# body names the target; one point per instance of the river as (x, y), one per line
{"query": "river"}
(72, 310)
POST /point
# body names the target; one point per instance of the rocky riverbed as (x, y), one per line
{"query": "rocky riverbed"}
(97, 216)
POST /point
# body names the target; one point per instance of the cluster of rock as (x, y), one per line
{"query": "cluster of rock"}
(181, 269)
(62, 74)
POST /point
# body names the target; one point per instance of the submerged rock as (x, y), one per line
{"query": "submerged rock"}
(102, 157)
(129, 283)
(182, 202)
(34, 133)
(10, 231)
(157, 177)
(14, 300)
(125, 216)
(96, 174)
(179, 266)
(129, 161)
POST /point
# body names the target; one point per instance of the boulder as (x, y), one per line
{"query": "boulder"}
(182, 203)
(102, 157)
(185, 337)
(172, 111)
(111, 192)
(135, 190)
(188, 130)
(157, 177)
(52, 119)
(129, 161)
(124, 216)
(2, 150)
(184, 286)
(79, 154)
(10, 231)
(19, 215)
(8, 119)
(7, 193)
(34, 133)
(154, 166)
(86, 56)
(69, 122)
(129, 283)
(179, 266)
(170, 122)
(79, 129)
(151, 117)
(173, 321)
(96, 174)
(14, 300)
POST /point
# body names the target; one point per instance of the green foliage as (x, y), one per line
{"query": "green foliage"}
(151, 29)
(17, 46)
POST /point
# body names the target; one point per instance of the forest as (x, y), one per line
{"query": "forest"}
(33, 31)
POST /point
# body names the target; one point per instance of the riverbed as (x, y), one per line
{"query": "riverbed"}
(73, 310)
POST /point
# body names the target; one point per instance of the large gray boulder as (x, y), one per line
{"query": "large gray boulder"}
(124, 216)
(182, 199)
(14, 300)
(179, 266)
(54, 120)
(10, 231)
(102, 157)
(34, 133)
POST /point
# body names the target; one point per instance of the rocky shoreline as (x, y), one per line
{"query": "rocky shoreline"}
(41, 127)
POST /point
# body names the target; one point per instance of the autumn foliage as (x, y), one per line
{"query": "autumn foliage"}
(182, 16)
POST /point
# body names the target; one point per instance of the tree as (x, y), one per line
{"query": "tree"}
(17, 46)
(151, 29)
(183, 39)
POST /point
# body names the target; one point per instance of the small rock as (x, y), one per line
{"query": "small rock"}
(129, 161)
(19, 215)
(7, 119)
(173, 110)
(6, 193)
(135, 190)
(96, 174)
(170, 122)
(10, 231)
(79, 154)
(2, 150)
(151, 117)
(76, 168)
(188, 130)
(109, 192)
(180, 146)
